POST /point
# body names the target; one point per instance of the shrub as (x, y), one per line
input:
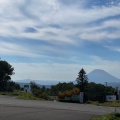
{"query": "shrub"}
(40, 94)
(76, 91)
(68, 93)
(113, 116)
(61, 95)
(27, 96)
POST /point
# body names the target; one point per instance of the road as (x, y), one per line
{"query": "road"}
(14, 109)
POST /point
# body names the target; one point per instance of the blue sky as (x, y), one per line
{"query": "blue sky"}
(54, 39)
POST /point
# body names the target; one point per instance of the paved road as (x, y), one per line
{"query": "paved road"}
(13, 109)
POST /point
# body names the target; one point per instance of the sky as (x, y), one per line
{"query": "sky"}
(54, 39)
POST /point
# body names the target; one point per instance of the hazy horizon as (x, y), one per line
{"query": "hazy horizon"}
(97, 76)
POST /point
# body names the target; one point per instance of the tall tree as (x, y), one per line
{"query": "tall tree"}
(6, 70)
(82, 80)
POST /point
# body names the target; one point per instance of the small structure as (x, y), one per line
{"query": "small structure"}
(110, 97)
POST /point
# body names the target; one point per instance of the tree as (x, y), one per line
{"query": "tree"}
(11, 86)
(61, 87)
(6, 70)
(82, 80)
(97, 92)
(43, 88)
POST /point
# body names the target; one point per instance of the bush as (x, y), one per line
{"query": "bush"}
(61, 95)
(117, 115)
(27, 96)
(14, 93)
(45, 96)
(113, 116)
(93, 102)
(109, 104)
(40, 94)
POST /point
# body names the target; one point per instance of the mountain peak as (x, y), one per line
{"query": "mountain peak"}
(98, 70)
(101, 76)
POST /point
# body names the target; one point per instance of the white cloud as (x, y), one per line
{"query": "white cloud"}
(99, 36)
(93, 36)
(14, 49)
(21, 14)
(113, 48)
(112, 23)
(101, 31)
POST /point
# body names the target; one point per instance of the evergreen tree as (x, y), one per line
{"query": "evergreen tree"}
(82, 80)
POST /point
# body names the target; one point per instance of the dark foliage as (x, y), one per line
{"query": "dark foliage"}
(61, 87)
(6, 70)
(98, 92)
(82, 80)
(11, 86)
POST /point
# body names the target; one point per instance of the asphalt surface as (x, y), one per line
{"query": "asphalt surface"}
(13, 109)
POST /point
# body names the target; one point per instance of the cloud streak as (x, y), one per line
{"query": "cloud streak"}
(52, 12)
(14, 49)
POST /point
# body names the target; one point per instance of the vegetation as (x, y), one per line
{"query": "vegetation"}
(38, 92)
(108, 104)
(82, 80)
(61, 87)
(92, 91)
(21, 95)
(74, 91)
(6, 70)
(98, 92)
(27, 96)
(113, 116)
(13, 93)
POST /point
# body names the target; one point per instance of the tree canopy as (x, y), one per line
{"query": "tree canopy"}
(98, 92)
(61, 87)
(6, 70)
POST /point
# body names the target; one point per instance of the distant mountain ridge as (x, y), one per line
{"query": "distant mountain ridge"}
(23, 84)
(40, 82)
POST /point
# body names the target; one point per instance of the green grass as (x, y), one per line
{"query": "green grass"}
(21, 95)
(27, 96)
(108, 104)
(14, 93)
(111, 104)
(113, 116)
